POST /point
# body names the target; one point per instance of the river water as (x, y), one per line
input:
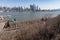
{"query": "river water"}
(26, 16)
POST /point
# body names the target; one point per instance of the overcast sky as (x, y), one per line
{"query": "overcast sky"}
(43, 4)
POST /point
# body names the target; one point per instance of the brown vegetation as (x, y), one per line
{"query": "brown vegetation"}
(33, 30)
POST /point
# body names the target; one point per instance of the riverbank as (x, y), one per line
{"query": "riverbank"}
(33, 30)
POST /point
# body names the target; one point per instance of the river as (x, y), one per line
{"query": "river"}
(26, 16)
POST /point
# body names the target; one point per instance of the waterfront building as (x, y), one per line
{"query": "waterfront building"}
(33, 7)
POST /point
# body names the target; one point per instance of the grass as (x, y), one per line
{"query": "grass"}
(33, 30)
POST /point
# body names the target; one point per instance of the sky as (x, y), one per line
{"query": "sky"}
(43, 4)
(10, 3)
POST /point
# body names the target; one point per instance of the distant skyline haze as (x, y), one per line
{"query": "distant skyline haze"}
(43, 4)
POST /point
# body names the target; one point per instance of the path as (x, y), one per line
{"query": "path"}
(1, 26)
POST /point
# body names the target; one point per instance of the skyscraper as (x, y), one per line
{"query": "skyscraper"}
(33, 7)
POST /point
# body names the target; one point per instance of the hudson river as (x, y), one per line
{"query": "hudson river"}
(26, 16)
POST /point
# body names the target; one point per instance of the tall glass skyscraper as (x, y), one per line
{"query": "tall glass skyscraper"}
(33, 7)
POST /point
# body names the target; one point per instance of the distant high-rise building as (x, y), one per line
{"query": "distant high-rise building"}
(21, 8)
(33, 7)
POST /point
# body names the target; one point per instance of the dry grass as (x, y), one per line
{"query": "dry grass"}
(33, 30)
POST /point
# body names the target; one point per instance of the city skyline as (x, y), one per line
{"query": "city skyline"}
(10, 3)
(43, 4)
